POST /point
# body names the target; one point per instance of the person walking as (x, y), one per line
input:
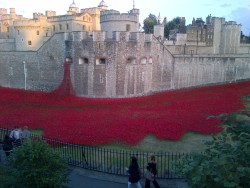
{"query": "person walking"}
(7, 145)
(152, 172)
(25, 135)
(134, 173)
(15, 135)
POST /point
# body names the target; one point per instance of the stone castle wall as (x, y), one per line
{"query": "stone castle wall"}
(44, 67)
(129, 64)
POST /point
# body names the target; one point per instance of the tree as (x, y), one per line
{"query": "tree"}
(169, 26)
(38, 165)
(226, 162)
(244, 38)
(173, 24)
(148, 23)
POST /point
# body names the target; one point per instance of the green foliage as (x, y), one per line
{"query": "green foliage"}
(149, 22)
(174, 24)
(226, 162)
(37, 165)
(7, 179)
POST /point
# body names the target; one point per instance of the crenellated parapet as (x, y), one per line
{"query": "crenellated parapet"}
(102, 36)
(27, 23)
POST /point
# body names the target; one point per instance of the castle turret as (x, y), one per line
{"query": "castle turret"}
(73, 9)
(159, 28)
(103, 5)
(112, 20)
(12, 13)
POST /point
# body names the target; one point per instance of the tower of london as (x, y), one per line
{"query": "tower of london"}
(111, 57)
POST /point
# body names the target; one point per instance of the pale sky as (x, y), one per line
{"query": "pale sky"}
(232, 10)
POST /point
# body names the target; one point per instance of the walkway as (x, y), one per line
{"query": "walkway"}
(80, 178)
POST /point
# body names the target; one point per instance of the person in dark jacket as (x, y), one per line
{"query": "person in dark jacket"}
(7, 145)
(134, 173)
(152, 168)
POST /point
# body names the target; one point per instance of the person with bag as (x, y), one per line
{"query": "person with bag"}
(7, 145)
(134, 173)
(151, 174)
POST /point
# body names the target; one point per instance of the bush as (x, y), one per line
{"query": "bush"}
(7, 179)
(38, 165)
(226, 162)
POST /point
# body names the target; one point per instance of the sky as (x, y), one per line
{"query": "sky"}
(232, 10)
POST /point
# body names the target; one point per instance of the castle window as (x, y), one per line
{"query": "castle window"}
(86, 61)
(60, 27)
(54, 27)
(101, 61)
(83, 18)
(67, 26)
(29, 43)
(128, 27)
(37, 33)
(101, 78)
(150, 60)
(18, 32)
(83, 61)
(84, 27)
(143, 61)
(131, 61)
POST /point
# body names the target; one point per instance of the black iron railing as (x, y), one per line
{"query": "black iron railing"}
(110, 161)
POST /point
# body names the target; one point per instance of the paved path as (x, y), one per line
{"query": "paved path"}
(82, 178)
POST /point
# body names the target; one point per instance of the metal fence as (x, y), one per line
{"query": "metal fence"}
(110, 160)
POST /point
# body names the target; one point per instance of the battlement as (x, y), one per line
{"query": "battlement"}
(60, 18)
(39, 16)
(102, 36)
(27, 23)
(216, 20)
(3, 11)
(50, 13)
(93, 10)
(113, 15)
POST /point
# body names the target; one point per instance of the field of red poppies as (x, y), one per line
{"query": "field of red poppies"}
(167, 115)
